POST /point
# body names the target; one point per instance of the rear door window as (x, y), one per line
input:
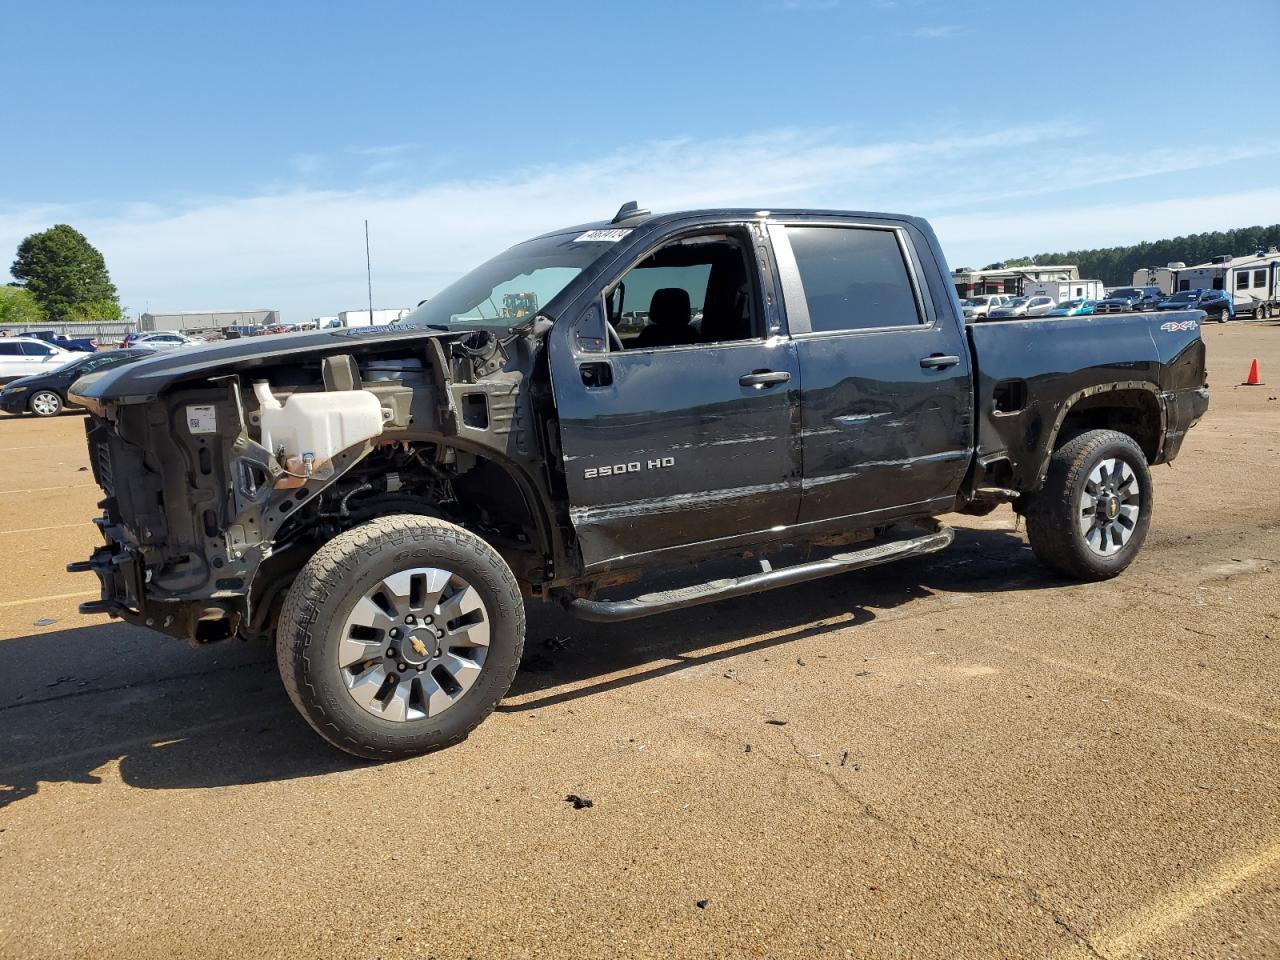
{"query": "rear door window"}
(854, 278)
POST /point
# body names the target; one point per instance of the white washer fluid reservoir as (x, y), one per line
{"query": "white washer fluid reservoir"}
(310, 429)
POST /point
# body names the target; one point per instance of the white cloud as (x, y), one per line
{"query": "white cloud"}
(938, 32)
(302, 249)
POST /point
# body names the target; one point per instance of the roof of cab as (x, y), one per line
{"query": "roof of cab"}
(646, 219)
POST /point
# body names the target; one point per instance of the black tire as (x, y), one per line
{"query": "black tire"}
(50, 403)
(326, 591)
(1054, 512)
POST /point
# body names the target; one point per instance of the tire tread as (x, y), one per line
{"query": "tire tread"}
(324, 574)
(1050, 514)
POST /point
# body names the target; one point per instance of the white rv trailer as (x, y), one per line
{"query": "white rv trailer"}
(1061, 290)
(1253, 281)
(1161, 277)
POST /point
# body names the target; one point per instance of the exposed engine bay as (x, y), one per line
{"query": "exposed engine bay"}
(219, 489)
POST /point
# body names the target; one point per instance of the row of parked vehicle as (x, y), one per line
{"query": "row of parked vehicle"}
(38, 368)
(1216, 304)
(37, 375)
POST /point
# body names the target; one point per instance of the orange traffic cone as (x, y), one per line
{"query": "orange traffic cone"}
(1253, 379)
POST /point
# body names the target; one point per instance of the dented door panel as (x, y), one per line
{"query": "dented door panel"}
(676, 450)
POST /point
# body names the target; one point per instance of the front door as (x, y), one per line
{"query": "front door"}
(886, 421)
(680, 428)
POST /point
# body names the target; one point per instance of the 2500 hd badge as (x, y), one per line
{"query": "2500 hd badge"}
(635, 466)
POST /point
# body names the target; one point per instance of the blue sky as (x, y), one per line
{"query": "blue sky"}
(225, 155)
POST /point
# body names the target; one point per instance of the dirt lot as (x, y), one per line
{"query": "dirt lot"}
(978, 760)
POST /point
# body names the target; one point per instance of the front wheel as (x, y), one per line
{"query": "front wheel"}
(400, 636)
(1091, 516)
(45, 403)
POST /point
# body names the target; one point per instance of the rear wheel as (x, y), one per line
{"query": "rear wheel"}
(45, 403)
(400, 636)
(1091, 516)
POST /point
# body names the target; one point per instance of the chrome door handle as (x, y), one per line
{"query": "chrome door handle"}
(763, 378)
(937, 361)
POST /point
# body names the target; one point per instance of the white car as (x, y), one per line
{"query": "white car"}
(166, 340)
(979, 306)
(27, 356)
(1023, 307)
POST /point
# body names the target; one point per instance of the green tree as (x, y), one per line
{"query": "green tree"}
(17, 305)
(65, 274)
(1116, 265)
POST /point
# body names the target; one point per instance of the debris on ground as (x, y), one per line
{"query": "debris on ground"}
(844, 758)
(703, 904)
(863, 673)
(579, 803)
(730, 674)
(748, 749)
(557, 642)
(59, 680)
(45, 622)
(777, 723)
(536, 663)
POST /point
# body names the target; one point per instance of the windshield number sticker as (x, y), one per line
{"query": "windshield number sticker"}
(202, 418)
(601, 236)
(635, 466)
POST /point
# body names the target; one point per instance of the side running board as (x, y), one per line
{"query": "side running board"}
(899, 548)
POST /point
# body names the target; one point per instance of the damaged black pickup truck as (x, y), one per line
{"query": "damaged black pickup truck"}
(593, 406)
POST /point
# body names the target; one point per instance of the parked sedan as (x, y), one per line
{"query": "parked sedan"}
(1072, 308)
(45, 394)
(1215, 303)
(161, 340)
(1022, 307)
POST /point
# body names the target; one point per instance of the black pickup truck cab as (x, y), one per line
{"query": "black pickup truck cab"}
(593, 406)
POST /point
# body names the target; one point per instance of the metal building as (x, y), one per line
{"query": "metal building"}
(207, 319)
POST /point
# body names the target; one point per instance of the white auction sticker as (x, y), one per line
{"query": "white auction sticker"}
(601, 236)
(202, 419)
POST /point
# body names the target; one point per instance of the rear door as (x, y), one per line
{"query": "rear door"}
(39, 357)
(886, 411)
(678, 427)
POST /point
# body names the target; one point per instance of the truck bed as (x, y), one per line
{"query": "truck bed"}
(1028, 373)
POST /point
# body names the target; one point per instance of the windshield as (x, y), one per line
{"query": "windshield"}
(515, 284)
(1184, 296)
(1124, 292)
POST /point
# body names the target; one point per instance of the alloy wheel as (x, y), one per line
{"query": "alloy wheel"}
(46, 404)
(414, 644)
(1110, 505)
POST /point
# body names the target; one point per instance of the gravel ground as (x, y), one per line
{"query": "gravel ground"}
(978, 760)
